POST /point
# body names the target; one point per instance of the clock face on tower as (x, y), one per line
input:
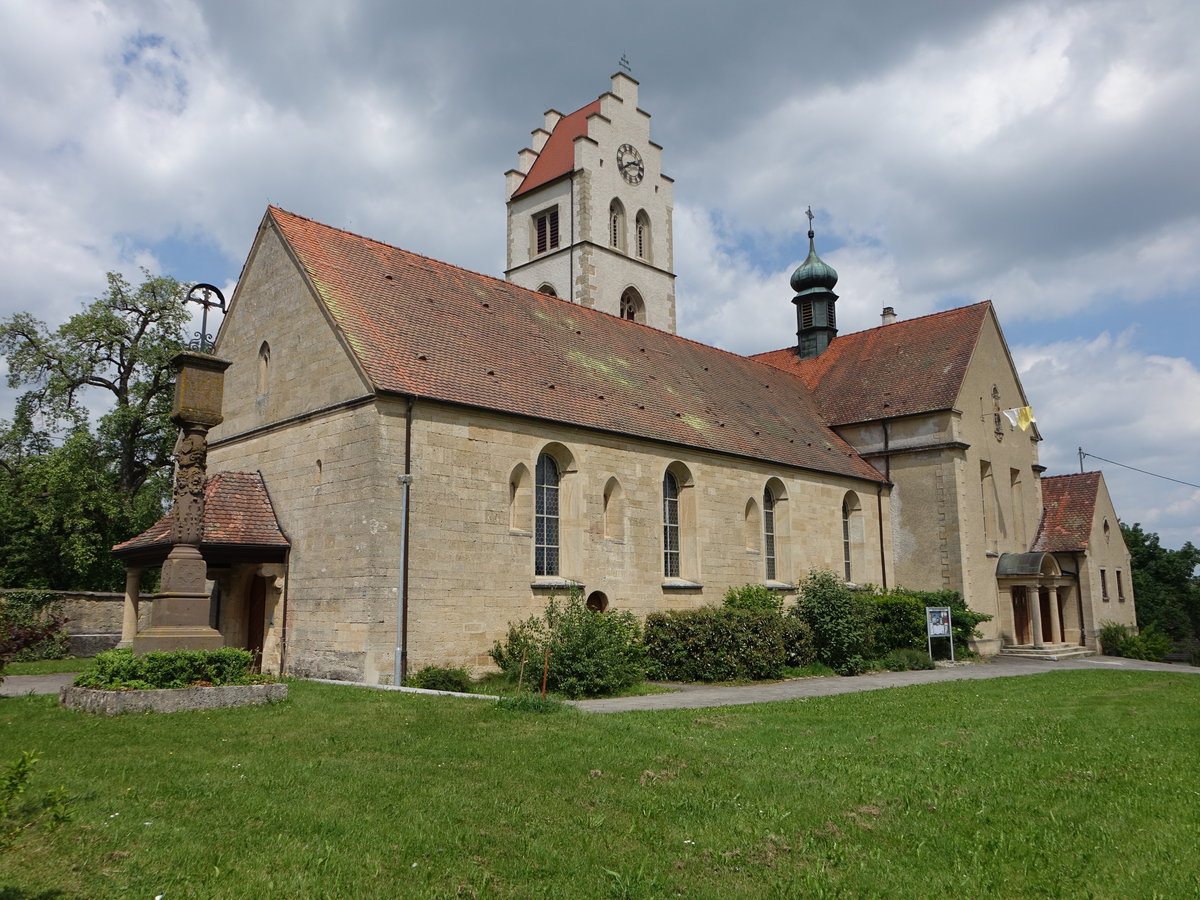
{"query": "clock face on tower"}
(629, 163)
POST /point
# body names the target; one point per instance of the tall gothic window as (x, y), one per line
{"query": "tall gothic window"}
(545, 519)
(769, 533)
(671, 567)
(546, 229)
(846, 513)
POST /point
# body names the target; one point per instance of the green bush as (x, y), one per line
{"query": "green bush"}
(907, 660)
(440, 678)
(31, 627)
(798, 648)
(122, 670)
(898, 621)
(592, 653)
(1151, 644)
(715, 644)
(754, 598)
(840, 621)
(1112, 638)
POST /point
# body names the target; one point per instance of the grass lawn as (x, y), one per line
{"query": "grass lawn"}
(49, 666)
(1075, 783)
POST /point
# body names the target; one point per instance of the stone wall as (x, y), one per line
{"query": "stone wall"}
(94, 619)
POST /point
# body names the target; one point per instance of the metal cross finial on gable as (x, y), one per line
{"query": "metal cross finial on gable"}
(808, 212)
(202, 294)
(624, 64)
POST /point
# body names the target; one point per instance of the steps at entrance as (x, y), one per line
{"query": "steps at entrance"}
(1050, 652)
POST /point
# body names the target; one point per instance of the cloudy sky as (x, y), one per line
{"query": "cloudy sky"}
(1043, 155)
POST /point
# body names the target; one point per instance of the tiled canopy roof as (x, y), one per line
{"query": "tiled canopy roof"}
(425, 328)
(1068, 507)
(237, 513)
(558, 156)
(909, 367)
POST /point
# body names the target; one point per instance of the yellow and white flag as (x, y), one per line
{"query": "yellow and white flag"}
(1020, 416)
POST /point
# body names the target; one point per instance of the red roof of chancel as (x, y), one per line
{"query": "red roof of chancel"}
(909, 367)
(1068, 507)
(237, 512)
(558, 156)
(425, 328)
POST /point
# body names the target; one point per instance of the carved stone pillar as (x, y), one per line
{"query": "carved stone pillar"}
(1056, 629)
(129, 617)
(1035, 614)
(180, 617)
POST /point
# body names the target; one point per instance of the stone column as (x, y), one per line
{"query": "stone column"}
(129, 618)
(1056, 631)
(179, 620)
(1035, 614)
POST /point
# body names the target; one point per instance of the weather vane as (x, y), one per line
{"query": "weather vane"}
(202, 294)
(624, 64)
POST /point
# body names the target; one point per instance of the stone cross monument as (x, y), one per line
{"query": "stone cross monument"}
(180, 618)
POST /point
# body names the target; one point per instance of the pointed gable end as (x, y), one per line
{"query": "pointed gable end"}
(1068, 507)
(906, 368)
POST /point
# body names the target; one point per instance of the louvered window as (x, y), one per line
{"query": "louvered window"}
(546, 225)
(806, 314)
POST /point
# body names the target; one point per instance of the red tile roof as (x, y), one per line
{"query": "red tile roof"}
(425, 328)
(1068, 508)
(558, 156)
(909, 367)
(237, 512)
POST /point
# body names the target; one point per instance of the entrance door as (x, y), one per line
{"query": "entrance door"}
(1020, 602)
(1045, 600)
(256, 610)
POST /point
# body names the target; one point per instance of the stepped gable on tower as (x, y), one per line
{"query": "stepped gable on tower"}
(557, 157)
(906, 368)
(1068, 509)
(425, 328)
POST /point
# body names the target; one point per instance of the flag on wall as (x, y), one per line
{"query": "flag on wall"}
(1020, 416)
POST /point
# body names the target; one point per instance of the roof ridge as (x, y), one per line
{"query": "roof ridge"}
(1071, 475)
(564, 300)
(849, 334)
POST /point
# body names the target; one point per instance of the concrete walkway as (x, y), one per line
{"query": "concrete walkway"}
(20, 685)
(692, 696)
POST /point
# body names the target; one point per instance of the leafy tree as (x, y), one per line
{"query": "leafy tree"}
(67, 494)
(1165, 587)
(121, 344)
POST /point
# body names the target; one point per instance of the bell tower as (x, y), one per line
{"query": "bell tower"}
(589, 211)
(816, 317)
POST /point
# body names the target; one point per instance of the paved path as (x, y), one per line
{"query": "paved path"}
(697, 696)
(20, 685)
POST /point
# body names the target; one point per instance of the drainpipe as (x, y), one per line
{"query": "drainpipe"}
(283, 630)
(571, 251)
(887, 473)
(400, 662)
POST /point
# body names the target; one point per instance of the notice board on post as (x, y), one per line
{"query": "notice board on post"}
(937, 624)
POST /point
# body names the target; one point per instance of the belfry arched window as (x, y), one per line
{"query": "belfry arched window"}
(616, 225)
(632, 307)
(642, 235)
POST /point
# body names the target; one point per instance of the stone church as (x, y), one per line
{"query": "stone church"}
(414, 455)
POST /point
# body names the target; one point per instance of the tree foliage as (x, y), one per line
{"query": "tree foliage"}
(68, 492)
(1165, 588)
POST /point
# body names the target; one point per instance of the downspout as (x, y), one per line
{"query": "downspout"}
(887, 473)
(283, 629)
(571, 252)
(400, 661)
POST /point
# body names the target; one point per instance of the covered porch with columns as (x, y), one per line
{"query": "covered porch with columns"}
(1040, 605)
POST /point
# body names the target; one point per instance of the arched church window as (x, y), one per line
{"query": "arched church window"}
(769, 533)
(670, 526)
(632, 307)
(616, 225)
(642, 230)
(850, 509)
(548, 290)
(545, 520)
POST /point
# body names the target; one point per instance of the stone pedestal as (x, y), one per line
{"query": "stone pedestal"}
(179, 620)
